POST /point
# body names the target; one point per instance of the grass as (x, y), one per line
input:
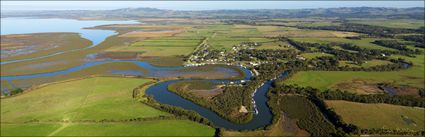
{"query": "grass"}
(166, 61)
(328, 79)
(148, 128)
(151, 34)
(364, 42)
(413, 76)
(28, 129)
(314, 55)
(379, 115)
(91, 99)
(393, 23)
(168, 43)
(192, 85)
(301, 33)
(162, 46)
(369, 63)
(156, 51)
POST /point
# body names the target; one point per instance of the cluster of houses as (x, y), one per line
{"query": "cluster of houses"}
(198, 57)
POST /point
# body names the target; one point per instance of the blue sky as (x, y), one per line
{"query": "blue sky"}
(198, 5)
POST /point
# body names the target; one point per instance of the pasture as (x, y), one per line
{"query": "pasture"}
(76, 107)
(314, 55)
(379, 115)
(392, 23)
(369, 63)
(363, 43)
(413, 76)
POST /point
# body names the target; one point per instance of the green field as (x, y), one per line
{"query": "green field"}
(168, 43)
(76, 107)
(364, 42)
(369, 63)
(413, 76)
(393, 23)
(314, 55)
(379, 115)
(192, 85)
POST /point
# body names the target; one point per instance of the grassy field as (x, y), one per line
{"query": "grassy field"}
(156, 51)
(168, 43)
(393, 23)
(146, 128)
(413, 76)
(379, 115)
(60, 109)
(165, 61)
(91, 98)
(314, 55)
(364, 42)
(369, 63)
(277, 45)
(180, 43)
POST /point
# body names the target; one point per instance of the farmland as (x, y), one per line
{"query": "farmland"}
(412, 24)
(72, 110)
(364, 43)
(413, 76)
(383, 115)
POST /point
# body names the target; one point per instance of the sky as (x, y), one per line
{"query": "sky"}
(197, 5)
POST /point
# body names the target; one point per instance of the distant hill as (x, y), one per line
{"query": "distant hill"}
(356, 12)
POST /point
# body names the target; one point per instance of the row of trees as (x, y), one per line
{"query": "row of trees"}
(414, 38)
(394, 44)
(12, 92)
(302, 46)
(364, 51)
(374, 98)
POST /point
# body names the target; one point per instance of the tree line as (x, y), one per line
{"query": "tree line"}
(264, 54)
(379, 31)
(394, 44)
